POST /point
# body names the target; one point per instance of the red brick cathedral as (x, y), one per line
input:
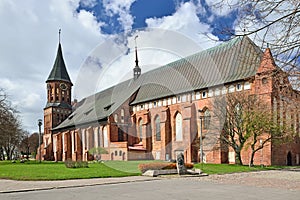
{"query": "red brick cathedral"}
(156, 115)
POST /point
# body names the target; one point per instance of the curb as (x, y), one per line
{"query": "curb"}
(77, 186)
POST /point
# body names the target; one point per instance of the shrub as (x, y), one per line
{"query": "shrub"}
(159, 166)
(76, 164)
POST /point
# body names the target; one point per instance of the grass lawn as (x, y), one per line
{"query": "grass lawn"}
(33, 170)
(226, 168)
(57, 171)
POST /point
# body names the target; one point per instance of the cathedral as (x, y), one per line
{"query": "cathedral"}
(157, 114)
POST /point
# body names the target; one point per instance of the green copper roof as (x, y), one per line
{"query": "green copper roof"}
(59, 70)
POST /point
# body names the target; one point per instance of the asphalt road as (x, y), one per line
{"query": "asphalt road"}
(164, 189)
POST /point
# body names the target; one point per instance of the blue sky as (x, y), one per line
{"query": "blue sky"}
(144, 9)
(167, 29)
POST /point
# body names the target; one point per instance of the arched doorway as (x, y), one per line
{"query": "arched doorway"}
(289, 159)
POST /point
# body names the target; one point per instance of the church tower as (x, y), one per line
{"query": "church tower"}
(58, 106)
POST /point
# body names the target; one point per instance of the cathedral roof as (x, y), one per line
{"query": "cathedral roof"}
(59, 70)
(231, 61)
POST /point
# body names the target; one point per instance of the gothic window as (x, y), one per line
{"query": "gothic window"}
(174, 100)
(207, 118)
(164, 102)
(105, 137)
(140, 130)
(116, 117)
(100, 137)
(217, 92)
(183, 98)
(224, 90)
(210, 93)
(197, 95)
(231, 89)
(120, 135)
(122, 115)
(239, 87)
(157, 129)
(169, 101)
(159, 103)
(178, 127)
(204, 94)
(247, 86)
(63, 95)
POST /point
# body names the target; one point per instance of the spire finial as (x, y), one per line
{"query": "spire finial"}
(136, 56)
(59, 31)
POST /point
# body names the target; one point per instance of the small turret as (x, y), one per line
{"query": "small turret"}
(137, 69)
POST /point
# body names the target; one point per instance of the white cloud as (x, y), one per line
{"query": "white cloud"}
(89, 3)
(185, 21)
(29, 39)
(121, 8)
(221, 7)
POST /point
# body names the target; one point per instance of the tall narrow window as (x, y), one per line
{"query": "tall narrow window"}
(207, 117)
(105, 137)
(157, 129)
(120, 135)
(141, 130)
(122, 115)
(178, 127)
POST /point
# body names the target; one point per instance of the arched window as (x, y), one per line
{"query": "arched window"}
(140, 130)
(122, 115)
(116, 118)
(105, 137)
(178, 127)
(120, 135)
(207, 118)
(157, 129)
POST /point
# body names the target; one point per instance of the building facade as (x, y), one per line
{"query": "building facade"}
(156, 115)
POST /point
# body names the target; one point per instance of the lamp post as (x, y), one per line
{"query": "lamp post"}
(40, 122)
(201, 116)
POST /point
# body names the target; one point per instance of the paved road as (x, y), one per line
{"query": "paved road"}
(175, 188)
(283, 185)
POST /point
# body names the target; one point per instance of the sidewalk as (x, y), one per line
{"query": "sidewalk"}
(10, 186)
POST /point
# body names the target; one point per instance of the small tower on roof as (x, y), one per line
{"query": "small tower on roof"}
(136, 69)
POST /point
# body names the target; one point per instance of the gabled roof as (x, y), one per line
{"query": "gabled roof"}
(231, 61)
(59, 70)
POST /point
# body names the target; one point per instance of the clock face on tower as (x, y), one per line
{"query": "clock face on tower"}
(63, 86)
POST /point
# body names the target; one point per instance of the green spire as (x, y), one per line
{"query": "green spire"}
(59, 70)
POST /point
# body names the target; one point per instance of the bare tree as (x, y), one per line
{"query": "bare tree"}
(274, 24)
(10, 126)
(29, 143)
(245, 121)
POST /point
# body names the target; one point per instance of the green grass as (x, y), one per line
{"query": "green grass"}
(57, 171)
(226, 168)
(33, 170)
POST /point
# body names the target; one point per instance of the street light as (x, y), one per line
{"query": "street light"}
(201, 117)
(40, 122)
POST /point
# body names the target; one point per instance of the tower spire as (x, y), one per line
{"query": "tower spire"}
(137, 69)
(136, 55)
(59, 31)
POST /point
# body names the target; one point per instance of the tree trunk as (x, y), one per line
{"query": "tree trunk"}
(252, 159)
(238, 158)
